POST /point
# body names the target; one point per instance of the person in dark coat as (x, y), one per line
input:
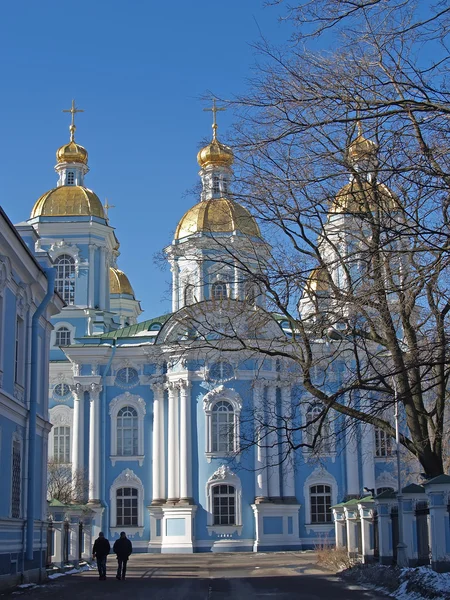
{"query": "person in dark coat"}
(123, 548)
(100, 551)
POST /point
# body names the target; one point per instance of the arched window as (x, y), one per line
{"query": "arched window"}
(127, 432)
(224, 505)
(62, 337)
(222, 427)
(189, 294)
(65, 278)
(219, 290)
(127, 507)
(383, 443)
(318, 432)
(61, 444)
(320, 503)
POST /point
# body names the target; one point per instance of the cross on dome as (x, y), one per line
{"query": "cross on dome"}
(73, 110)
(107, 206)
(214, 109)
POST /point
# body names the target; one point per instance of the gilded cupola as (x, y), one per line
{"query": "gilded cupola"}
(119, 282)
(215, 154)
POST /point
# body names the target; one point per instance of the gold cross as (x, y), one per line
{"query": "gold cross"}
(73, 110)
(214, 109)
(107, 206)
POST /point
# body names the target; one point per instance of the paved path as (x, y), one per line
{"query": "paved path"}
(240, 576)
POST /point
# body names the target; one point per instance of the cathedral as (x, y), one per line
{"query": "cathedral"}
(172, 421)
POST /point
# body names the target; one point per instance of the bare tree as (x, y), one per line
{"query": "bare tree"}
(344, 161)
(64, 485)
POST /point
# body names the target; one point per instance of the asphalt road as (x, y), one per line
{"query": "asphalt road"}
(281, 576)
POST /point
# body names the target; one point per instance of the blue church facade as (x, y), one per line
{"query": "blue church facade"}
(27, 302)
(175, 423)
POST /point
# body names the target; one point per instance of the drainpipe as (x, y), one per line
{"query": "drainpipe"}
(50, 273)
(104, 413)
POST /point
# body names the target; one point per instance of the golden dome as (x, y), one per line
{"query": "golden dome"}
(219, 215)
(68, 201)
(119, 282)
(360, 196)
(216, 154)
(318, 281)
(361, 148)
(72, 152)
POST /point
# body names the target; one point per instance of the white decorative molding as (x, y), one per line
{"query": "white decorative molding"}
(127, 478)
(5, 272)
(385, 479)
(60, 247)
(60, 416)
(19, 393)
(319, 476)
(58, 326)
(224, 475)
(138, 403)
(219, 394)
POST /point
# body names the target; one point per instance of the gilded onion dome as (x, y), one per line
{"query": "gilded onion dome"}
(218, 215)
(317, 281)
(215, 154)
(363, 196)
(68, 201)
(361, 148)
(119, 282)
(72, 153)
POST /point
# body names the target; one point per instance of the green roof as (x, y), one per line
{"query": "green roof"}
(132, 330)
(413, 488)
(439, 479)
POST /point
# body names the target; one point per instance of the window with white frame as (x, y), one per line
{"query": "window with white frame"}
(127, 377)
(318, 431)
(127, 413)
(127, 431)
(16, 479)
(127, 507)
(320, 503)
(220, 371)
(223, 501)
(61, 391)
(383, 443)
(219, 290)
(62, 337)
(216, 184)
(222, 411)
(65, 277)
(61, 444)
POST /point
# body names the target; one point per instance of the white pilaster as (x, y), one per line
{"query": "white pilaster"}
(273, 456)
(287, 466)
(158, 459)
(91, 283)
(185, 442)
(102, 276)
(172, 462)
(261, 491)
(78, 431)
(351, 460)
(94, 443)
(175, 286)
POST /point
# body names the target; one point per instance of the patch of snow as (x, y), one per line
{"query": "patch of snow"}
(26, 585)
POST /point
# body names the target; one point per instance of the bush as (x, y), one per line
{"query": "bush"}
(330, 557)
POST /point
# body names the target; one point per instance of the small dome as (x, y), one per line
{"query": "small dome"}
(359, 196)
(72, 153)
(317, 281)
(215, 154)
(68, 201)
(119, 282)
(219, 215)
(361, 149)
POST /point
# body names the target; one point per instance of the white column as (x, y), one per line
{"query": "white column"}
(102, 276)
(172, 462)
(273, 456)
(185, 442)
(287, 466)
(91, 283)
(94, 444)
(351, 461)
(78, 430)
(158, 459)
(261, 491)
(175, 286)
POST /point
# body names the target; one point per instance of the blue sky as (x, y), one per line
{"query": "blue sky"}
(139, 70)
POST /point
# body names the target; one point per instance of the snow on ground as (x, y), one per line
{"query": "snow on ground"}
(71, 572)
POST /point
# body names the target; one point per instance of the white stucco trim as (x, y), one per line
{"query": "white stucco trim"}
(58, 325)
(127, 478)
(138, 403)
(224, 476)
(221, 393)
(60, 416)
(319, 476)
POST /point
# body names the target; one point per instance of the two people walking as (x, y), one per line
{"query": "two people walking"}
(122, 547)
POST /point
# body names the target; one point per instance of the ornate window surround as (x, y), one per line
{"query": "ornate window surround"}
(61, 416)
(62, 247)
(221, 393)
(307, 452)
(127, 478)
(138, 403)
(318, 477)
(224, 476)
(57, 326)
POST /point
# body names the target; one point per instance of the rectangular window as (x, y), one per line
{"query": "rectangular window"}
(321, 504)
(16, 481)
(383, 443)
(216, 185)
(61, 444)
(70, 177)
(126, 507)
(19, 351)
(224, 505)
